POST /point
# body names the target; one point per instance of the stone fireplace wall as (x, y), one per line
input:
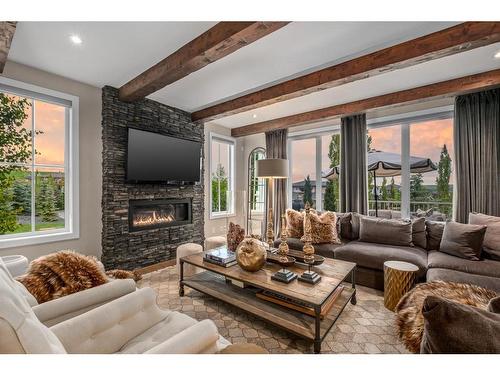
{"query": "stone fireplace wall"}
(130, 250)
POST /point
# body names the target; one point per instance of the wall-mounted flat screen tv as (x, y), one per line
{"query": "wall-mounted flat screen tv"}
(153, 157)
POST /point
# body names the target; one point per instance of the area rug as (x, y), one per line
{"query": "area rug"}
(367, 327)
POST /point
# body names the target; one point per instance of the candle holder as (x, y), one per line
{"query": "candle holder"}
(284, 275)
(308, 276)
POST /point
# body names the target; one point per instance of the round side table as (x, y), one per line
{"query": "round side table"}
(399, 278)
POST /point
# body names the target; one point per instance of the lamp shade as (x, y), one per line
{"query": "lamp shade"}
(272, 168)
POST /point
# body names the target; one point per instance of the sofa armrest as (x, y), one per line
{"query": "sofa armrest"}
(64, 308)
(105, 329)
(199, 338)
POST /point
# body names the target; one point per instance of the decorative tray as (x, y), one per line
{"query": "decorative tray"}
(273, 257)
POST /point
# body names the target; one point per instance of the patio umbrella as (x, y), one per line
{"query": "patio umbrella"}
(386, 164)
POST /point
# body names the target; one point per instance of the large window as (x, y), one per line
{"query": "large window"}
(311, 157)
(221, 175)
(37, 164)
(420, 148)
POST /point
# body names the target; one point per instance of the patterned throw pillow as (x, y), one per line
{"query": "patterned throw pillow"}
(294, 223)
(324, 228)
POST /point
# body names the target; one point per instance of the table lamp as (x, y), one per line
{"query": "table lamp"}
(271, 169)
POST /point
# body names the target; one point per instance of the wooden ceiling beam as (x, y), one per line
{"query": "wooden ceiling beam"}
(214, 44)
(456, 39)
(7, 30)
(449, 88)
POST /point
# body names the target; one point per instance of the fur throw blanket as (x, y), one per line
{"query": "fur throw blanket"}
(409, 318)
(66, 272)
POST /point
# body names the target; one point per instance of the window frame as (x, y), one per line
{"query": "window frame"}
(406, 121)
(231, 204)
(317, 135)
(71, 165)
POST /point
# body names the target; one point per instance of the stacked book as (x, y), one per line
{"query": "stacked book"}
(221, 256)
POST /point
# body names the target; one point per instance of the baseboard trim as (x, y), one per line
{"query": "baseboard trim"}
(155, 267)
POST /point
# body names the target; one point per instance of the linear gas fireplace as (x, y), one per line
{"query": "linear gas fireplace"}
(156, 213)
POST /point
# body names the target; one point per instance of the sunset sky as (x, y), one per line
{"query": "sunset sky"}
(426, 140)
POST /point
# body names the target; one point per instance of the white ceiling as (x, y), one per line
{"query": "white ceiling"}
(112, 53)
(455, 66)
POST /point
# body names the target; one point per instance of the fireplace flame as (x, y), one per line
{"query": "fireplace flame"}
(154, 218)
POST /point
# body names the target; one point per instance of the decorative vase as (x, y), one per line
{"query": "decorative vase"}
(251, 255)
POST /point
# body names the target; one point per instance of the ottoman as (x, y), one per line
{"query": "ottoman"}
(213, 242)
(185, 250)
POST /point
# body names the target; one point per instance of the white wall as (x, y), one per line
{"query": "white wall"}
(90, 161)
(244, 145)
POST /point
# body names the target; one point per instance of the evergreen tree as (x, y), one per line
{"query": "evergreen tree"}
(444, 174)
(219, 189)
(308, 191)
(371, 195)
(417, 188)
(332, 186)
(22, 197)
(46, 199)
(384, 194)
(394, 193)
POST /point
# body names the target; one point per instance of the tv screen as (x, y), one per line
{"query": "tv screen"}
(154, 157)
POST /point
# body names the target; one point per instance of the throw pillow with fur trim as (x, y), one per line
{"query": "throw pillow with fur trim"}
(324, 228)
(59, 274)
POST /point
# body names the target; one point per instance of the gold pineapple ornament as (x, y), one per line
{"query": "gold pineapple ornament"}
(283, 247)
(308, 276)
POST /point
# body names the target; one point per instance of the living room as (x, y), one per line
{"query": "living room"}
(312, 186)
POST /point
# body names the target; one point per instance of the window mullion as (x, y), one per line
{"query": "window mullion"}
(405, 170)
(33, 175)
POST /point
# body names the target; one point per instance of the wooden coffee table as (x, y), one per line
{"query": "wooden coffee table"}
(334, 273)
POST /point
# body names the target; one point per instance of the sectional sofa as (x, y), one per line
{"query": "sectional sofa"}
(432, 263)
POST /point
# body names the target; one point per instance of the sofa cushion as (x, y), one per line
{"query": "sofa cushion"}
(463, 240)
(355, 218)
(486, 267)
(373, 256)
(385, 231)
(488, 282)
(418, 235)
(294, 223)
(434, 231)
(452, 327)
(174, 323)
(491, 243)
(324, 249)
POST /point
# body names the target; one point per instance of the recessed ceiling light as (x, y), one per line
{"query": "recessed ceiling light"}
(75, 39)
(254, 115)
(497, 55)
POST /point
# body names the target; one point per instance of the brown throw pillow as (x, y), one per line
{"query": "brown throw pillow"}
(344, 227)
(463, 240)
(385, 231)
(418, 236)
(324, 228)
(434, 232)
(294, 223)
(454, 328)
(491, 244)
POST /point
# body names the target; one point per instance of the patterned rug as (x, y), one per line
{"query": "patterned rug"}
(367, 327)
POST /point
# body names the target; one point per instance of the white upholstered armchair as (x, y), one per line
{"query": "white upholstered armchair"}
(132, 323)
